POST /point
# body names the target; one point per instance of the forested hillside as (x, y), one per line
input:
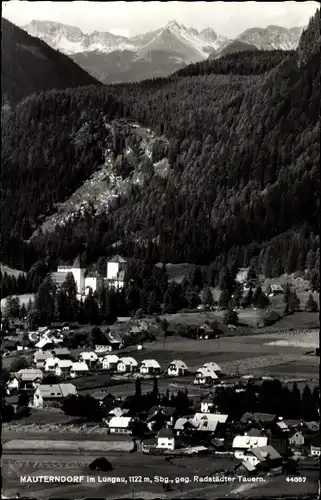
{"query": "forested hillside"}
(244, 155)
(29, 65)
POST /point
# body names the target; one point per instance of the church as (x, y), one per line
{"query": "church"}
(88, 281)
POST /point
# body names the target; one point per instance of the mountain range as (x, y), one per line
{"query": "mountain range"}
(112, 59)
(29, 66)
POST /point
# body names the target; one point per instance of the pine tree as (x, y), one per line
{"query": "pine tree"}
(262, 301)
(207, 297)
(311, 305)
(309, 407)
(224, 299)
(138, 387)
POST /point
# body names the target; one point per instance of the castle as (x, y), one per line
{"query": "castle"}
(87, 281)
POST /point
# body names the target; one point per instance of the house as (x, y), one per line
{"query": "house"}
(61, 353)
(13, 384)
(208, 422)
(165, 440)
(29, 378)
(177, 368)
(182, 426)
(296, 438)
(276, 289)
(166, 413)
(126, 365)
(118, 412)
(112, 342)
(89, 357)
(40, 357)
(150, 367)
(116, 269)
(109, 362)
(51, 364)
(315, 450)
(205, 332)
(260, 454)
(79, 369)
(63, 368)
(45, 395)
(243, 443)
(213, 366)
(204, 376)
(120, 425)
(207, 406)
(106, 400)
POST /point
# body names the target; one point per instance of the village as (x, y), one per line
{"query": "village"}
(147, 386)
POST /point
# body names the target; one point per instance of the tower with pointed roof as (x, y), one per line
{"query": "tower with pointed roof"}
(116, 268)
(78, 273)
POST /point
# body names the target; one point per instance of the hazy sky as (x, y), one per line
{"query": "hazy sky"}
(133, 18)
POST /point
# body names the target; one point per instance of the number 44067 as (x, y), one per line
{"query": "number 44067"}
(296, 479)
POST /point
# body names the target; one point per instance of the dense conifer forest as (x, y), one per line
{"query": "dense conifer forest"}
(244, 156)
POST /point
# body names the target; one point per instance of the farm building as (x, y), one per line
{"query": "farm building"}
(126, 365)
(243, 443)
(150, 367)
(120, 425)
(164, 412)
(165, 440)
(259, 418)
(177, 368)
(213, 366)
(207, 422)
(45, 395)
(276, 289)
(78, 369)
(44, 344)
(109, 362)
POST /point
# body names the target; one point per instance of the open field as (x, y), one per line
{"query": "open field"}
(146, 469)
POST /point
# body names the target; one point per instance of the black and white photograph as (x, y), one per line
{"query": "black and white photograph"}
(160, 250)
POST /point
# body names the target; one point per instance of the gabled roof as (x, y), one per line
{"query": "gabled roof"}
(165, 433)
(65, 363)
(178, 364)
(117, 258)
(42, 356)
(212, 366)
(244, 442)
(150, 363)
(179, 424)
(207, 373)
(264, 453)
(128, 361)
(312, 426)
(255, 432)
(114, 337)
(67, 389)
(29, 374)
(43, 342)
(51, 361)
(119, 422)
(88, 355)
(61, 351)
(49, 391)
(79, 366)
(258, 417)
(77, 264)
(214, 417)
(110, 358)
